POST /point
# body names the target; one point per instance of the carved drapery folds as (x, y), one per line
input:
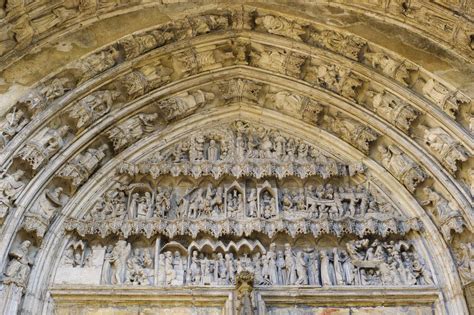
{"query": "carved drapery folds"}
(447, 150)
(92, 107)
(446, 213)
(401, 166)
(19, 266)
(43, 146)
(243, 150)
(240, 208)
(183, 104)
(131, 130)
(11, 185)
(79, 169)
(49, 204)
(207, 262)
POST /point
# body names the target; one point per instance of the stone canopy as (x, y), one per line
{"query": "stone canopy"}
(236, 157)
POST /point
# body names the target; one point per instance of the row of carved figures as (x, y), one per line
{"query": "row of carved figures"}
(363, 262)
(347, 45)
(236, 201)
(246, 143)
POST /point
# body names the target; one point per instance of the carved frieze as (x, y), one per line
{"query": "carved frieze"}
(215, 263)
(243, 150)
(240, 208)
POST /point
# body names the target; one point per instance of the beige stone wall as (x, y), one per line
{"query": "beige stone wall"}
(134, 129)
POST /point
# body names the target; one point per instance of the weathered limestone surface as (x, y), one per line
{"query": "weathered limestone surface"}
(236, 157)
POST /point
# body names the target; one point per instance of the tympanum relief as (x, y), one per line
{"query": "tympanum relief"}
(242, 149)
(208, 262)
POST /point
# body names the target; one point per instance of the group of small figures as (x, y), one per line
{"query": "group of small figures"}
(391, 263)
(237, 202)
(244, 142)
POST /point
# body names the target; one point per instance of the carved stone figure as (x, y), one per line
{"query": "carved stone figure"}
(184, 104)
(280, 26)
(131, 130)
(79, 169)
(347, 45)
(147, 78)
(245, 299)
(46, 207)
(92, 107)
(326, 279)
(448, 215)
(18, 269)
(43, 146)
(465, 261)
(447, 150)
(352, 131)
(394, 110)
(441, 96)
(11, 186)
(77, 254)
(301, 271)
(402, 167)
(138, 266)
(115, 263)
(13, 122)
(98, 63)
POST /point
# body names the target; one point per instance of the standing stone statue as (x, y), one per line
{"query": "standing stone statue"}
(290, 265)
(301, 271)
(115, 262)
(325, 271)
(245, 304)
(313, 269)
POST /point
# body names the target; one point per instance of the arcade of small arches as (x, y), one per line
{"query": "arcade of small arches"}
(236, 158)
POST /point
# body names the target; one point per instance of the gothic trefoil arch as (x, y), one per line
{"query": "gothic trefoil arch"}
(260, 157)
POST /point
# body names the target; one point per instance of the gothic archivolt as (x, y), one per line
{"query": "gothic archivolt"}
(235, 148)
